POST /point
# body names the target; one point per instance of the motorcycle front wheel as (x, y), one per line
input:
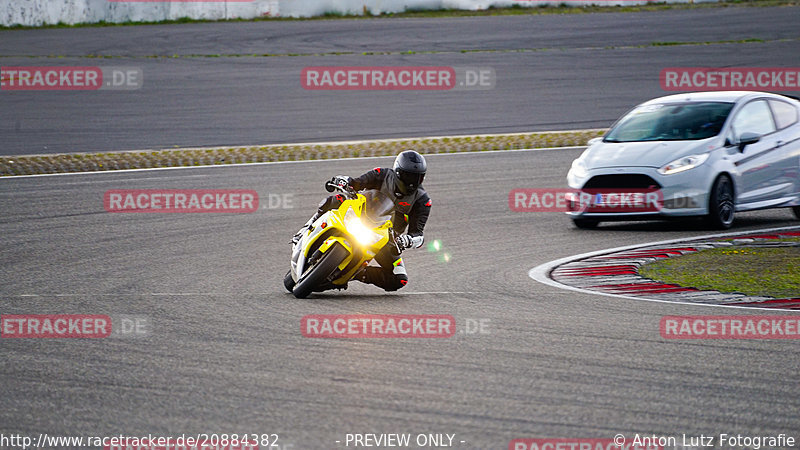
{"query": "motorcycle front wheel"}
(319, 272)
(288, 281)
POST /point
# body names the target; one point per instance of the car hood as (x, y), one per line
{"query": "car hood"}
(641, 154)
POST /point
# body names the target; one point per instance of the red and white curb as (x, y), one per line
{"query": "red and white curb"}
(615, 272)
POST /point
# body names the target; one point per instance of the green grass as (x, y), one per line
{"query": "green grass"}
(759, 271)
(736, 41)
(83, 162)
(515, 10)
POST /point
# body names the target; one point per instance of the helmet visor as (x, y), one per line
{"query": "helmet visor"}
(409, 180)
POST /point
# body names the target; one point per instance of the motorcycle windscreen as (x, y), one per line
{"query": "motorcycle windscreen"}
(379, 207)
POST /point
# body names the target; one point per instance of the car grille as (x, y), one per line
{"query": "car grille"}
(621, 181)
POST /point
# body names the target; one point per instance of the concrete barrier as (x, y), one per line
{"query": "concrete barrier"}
(41, 12)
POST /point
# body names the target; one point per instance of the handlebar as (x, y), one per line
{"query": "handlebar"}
(393, 239)
(330, 187)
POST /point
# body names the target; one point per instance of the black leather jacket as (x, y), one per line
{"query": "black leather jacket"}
(410, 210)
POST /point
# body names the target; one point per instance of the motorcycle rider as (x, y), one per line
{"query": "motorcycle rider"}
(403, 184)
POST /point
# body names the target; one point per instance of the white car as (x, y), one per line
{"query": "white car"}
(706, 153)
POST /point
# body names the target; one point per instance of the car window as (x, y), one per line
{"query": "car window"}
(784, 113)
(755, 117)
(671, 122)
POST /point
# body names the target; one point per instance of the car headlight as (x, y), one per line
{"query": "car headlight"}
(363, 234)
(683, 163)
(578, 169)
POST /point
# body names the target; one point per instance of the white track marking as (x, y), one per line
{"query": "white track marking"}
(540, 272)
(437, 293)
(211, 294)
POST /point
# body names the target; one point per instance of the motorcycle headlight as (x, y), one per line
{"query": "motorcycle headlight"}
(363, 234)
(683, 163)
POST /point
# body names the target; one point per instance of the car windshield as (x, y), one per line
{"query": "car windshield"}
(671, 122)
(379, 206)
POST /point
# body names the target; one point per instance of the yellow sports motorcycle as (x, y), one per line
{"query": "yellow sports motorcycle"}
(341, 242)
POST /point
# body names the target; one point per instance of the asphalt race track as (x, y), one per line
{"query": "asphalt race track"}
(569, 79)
(223, 351)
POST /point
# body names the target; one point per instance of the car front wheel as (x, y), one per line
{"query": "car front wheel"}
(721, 206)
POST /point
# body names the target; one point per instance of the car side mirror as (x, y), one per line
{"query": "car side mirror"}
(746, 139)
(593, 141)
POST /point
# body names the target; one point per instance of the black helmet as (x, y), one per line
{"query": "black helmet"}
(410, 168)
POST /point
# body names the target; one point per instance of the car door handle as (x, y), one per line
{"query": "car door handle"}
(779, 144)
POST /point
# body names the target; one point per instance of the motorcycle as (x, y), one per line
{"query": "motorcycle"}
(341, 242)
